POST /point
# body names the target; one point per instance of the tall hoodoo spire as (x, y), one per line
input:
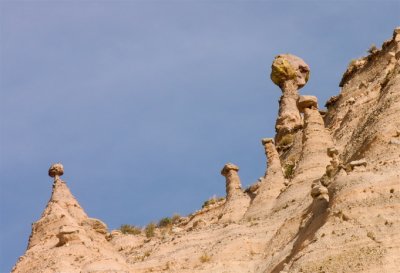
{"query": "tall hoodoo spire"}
(290, 73)
(316, 139)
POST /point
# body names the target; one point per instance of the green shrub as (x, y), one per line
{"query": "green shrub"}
(209, 202)
(288, 170)
(165, 222)
(149, 230)
(129, 229)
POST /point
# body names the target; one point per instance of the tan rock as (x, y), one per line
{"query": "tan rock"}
(332, 151)
(357, 163)
(279, 227)
(307, 102)
(317, 190)
(233, 185)
(97, 225)
(68, 235)
(270, 186)
(290, 73)
(237, 200)
(56, 170)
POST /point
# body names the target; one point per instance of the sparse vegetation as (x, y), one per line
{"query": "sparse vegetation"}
(144, 256)
(352, 62)
(165, 222)
(205, 258)
(286, 140)
(212, 201)
(150, 230)
(130, 229)
(288, 169)
(176, 218)
(371, 235)
(209, 202)
(372, 49)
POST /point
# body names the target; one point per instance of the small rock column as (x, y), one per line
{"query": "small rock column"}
(233, 185)
(237, 201)
(316, 138)
(274, 167)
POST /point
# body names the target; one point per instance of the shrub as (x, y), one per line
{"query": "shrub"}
(288, 170)
(205, 258)
(212, 201)
(286, 140)
(209, 202)
(165, 222)
(129, 229)
(175, 218)
(372, 49)
(352, 62)
(150, 230)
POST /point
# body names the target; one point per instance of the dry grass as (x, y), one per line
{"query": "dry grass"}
(286, 140)
(130, 229)
(205, 258)
(150, 230)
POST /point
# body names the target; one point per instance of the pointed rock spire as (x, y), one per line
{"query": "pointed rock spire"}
(65, 239)
(271, 185)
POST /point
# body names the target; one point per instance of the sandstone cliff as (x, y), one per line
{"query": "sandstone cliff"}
(329, 200)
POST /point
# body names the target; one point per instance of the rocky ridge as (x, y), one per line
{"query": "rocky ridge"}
(329, 200)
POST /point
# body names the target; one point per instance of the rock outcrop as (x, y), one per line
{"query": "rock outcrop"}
(270, 185)
(290, 73)
(236, 200)
(64, 239)
(329, 200)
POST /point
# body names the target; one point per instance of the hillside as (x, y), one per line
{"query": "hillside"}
(329, 201)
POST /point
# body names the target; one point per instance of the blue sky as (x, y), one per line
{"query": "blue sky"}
(145, 101)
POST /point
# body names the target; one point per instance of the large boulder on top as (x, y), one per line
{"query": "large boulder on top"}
(288, 67)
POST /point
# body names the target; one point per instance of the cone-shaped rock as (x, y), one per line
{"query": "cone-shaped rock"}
(66, 240)
(270, 185)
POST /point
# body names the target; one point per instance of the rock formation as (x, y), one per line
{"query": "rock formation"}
(270, 185)
(290, 73)
(236, 200)
(66, 240)
(328, 202)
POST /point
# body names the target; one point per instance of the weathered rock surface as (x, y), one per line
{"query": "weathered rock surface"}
(329, 201)
(290, 73)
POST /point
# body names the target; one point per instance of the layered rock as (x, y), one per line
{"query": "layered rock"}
(290, 73)
(334, 210)
(66, 240)
(270, 185)
(236, 200)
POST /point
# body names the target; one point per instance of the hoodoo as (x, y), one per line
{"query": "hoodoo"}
(328, 202)
(66, 240)
(290, 73)
(236, 200)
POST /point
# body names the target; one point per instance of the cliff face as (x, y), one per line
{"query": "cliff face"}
(329, 202)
